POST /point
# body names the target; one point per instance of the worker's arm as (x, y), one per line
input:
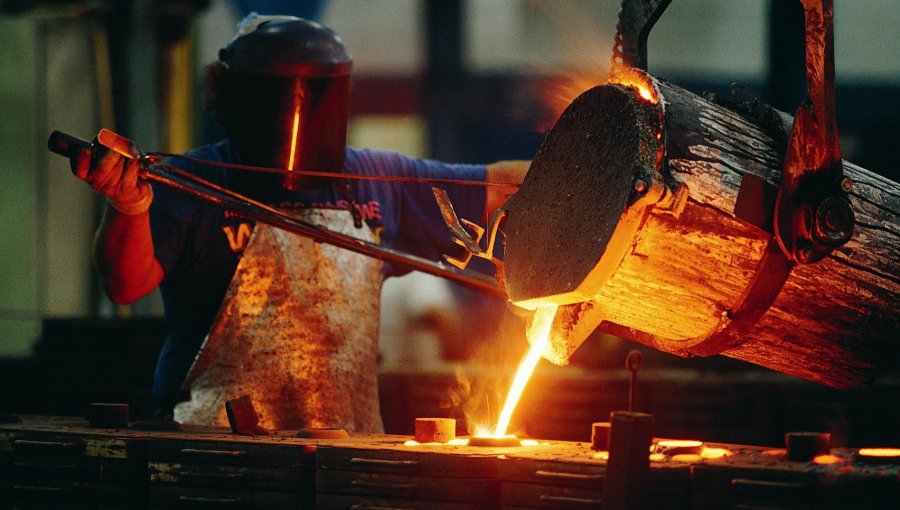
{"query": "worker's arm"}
(123, 246)
(512, 172)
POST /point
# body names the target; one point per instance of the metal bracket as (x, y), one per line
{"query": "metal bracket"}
(463, 238)
(813, 215)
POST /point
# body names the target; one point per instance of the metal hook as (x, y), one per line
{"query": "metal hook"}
(633, 364)
(462, 237)
(636, 18)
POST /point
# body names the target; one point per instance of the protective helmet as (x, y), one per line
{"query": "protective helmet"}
(286, 95)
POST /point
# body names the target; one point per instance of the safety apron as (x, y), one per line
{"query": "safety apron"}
(297, 332)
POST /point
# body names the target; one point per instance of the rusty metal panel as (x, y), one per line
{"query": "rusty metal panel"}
(100, 443)
(343, 502)
(179, 497)
(429, 488)
(584, 475)
(211, 468)
(75, 468)
(572, 476)
(760, 478)
(409, 476)
(442, 461)
(529, 495)
(231, 453)
(297, 332)
(295, 479)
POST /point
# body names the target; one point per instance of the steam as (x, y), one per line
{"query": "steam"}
(482, 382)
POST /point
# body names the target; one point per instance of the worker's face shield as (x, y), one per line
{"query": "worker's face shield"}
(294, 123)
(283, 100)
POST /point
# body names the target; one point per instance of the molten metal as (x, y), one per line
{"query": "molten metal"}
(639, 81)
(498, 441)
(294, 133)
(676, 446)
(539, 335)
(880, 453)
(715, 453)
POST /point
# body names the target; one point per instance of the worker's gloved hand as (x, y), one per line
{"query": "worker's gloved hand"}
(115, 177)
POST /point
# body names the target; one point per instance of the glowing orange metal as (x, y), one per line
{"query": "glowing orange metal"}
(679, 443)
(879, 452)
(539, 334)
(294, 134)
(715, 453)
(827, 459)
(639, 81)
(645, 93)
(494, 441)
(559, 93)
(687, 458)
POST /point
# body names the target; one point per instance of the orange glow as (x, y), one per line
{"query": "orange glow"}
(679, 443)
(459, 441)
(452, 442)
(413, 442)
(294, 133)
(638, 80)
(539, 335)
(559, 93)
(879, 452)
(827, 459)
(777, 452)
(654, 457)
(644, 92)
(715, 453)
(678, 447)
(687, 458)
(493, 441)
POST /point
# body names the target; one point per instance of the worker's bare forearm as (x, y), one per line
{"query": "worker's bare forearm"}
(512, 172)
(123, 254)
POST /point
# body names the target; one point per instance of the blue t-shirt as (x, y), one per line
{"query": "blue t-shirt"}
(199, 244)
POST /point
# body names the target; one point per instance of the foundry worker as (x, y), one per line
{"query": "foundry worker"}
(287, 321)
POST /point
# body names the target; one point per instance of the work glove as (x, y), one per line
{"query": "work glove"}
(115, 177)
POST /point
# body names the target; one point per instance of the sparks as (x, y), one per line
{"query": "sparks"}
(539, 334)
(639, 81)
(645, 93)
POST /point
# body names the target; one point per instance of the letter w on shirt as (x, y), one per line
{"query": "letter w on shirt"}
(238, 240)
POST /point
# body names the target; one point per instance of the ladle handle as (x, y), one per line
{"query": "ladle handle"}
(66, 145)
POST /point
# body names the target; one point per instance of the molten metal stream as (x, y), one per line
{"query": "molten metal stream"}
(539, 334)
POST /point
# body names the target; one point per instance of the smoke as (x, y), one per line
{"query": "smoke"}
(482, 382)
(572, 54)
